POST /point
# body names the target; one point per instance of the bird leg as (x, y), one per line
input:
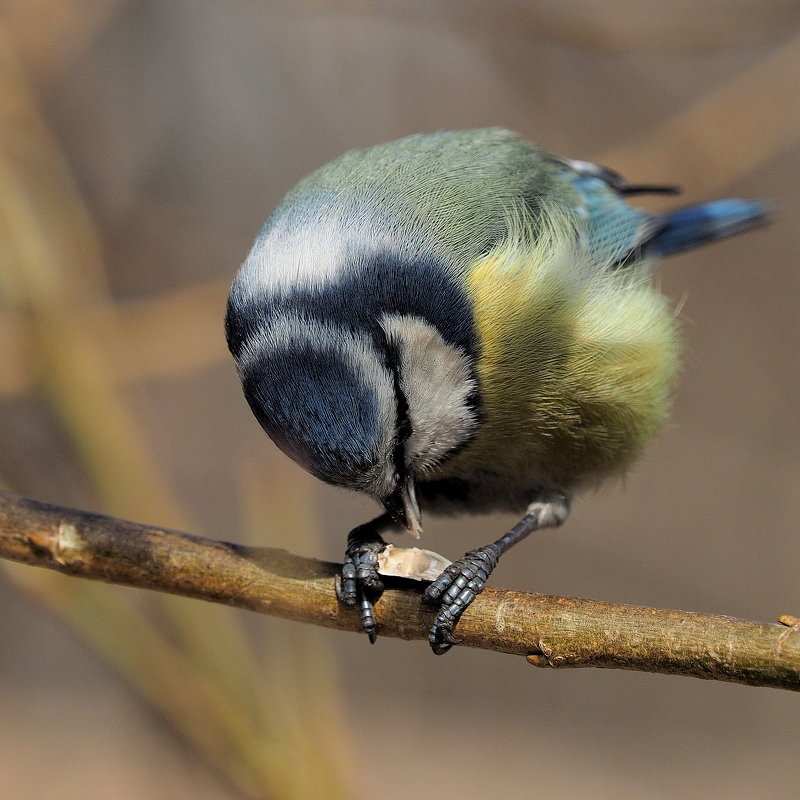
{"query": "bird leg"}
(359, 584)
(465, 579)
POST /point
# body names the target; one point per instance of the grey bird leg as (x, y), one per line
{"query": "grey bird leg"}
(359, 584)
(465, 579)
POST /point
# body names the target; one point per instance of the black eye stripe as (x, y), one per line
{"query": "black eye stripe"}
(404, 427)
(373, 284)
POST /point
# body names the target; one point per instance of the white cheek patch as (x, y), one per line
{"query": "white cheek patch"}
(283, 258)
(309, 248)
(437, 381)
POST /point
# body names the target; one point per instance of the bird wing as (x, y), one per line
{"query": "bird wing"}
(613, 231)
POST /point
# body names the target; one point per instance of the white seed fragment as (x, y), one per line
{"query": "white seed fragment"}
(411, 562)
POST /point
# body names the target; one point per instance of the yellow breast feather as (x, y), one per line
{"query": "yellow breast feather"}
(577, 360)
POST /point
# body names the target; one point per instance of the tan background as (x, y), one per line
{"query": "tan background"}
(182, 124)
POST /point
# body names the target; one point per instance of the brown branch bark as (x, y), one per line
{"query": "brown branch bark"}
(549, 631)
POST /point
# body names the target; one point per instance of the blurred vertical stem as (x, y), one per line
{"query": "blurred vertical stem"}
(278, 510)
(159, 670)
(207, 683)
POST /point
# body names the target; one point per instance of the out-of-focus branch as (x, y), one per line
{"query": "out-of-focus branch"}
(724, 134)
(549, 631)
(174, 334)
(613, 26)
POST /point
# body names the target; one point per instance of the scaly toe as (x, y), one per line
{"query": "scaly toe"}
(359, 584)
(454, 590)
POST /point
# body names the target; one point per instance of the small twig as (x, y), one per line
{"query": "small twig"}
(549, 631)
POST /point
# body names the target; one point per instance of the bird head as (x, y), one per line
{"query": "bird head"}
(372, 411)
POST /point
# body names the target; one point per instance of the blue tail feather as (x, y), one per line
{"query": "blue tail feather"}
(689, 227)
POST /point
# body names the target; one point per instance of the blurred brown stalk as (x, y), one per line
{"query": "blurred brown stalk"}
(71, 345)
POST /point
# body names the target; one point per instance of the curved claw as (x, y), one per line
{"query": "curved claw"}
(351, 597)
(368, 622)
(454, 590)
(441, 638)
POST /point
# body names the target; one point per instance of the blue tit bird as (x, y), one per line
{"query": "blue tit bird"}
(461, 322)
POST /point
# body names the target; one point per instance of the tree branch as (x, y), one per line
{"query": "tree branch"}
(549, 631)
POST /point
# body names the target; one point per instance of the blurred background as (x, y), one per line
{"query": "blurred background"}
(142, 143)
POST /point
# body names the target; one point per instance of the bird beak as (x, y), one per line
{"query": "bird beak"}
(403, 506)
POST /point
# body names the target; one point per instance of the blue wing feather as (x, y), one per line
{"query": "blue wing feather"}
(689, 227)
(615, 230)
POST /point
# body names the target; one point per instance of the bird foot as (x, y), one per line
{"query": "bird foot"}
(454, 590)
(359, 584)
